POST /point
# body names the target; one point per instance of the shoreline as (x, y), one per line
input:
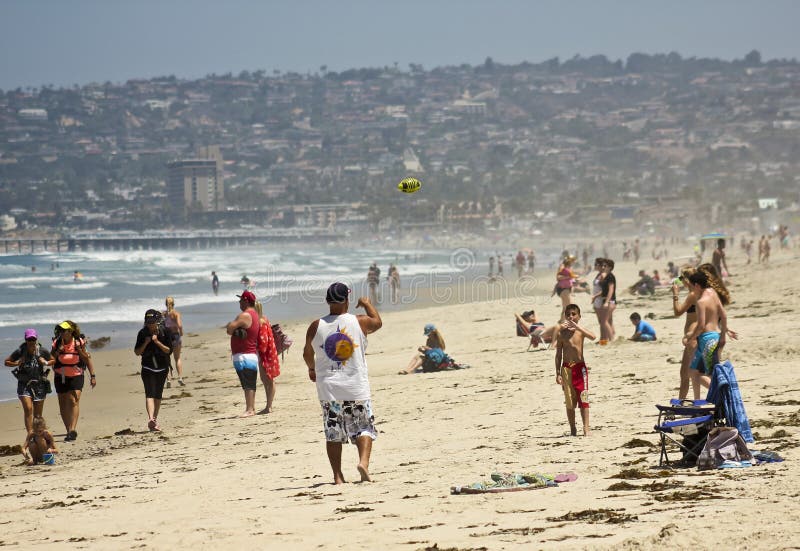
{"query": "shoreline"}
(418, 291)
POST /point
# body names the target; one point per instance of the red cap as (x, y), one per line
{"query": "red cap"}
(247, 296)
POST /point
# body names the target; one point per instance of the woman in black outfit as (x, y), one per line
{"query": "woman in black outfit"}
(154, 345)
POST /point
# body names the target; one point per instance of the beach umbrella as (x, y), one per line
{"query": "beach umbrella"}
(715, 235)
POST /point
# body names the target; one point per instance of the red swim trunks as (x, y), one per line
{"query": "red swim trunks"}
(575, 382)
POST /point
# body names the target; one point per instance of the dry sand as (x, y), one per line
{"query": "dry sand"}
(211, 479)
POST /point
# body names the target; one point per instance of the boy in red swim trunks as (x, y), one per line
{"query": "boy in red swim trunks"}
(571, 371)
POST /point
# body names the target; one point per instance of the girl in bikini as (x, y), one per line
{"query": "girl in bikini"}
(688, 307)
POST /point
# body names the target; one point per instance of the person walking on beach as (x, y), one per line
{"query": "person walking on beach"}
(29, 361)
(394, 283)
(268, 365)
(174, 326)
(335, 356)
(718, 258)
(71, 359)
(571, 371)
(153, 344)
(565, 278)
(373, 280)
(531, 261)
(215, 283)
(244, 349)
(608, 292)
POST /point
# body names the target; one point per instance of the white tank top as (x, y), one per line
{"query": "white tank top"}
(339, 348)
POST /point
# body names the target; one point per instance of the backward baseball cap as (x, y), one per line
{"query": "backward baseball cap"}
(337, 293)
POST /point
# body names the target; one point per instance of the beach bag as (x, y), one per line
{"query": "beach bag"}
(723, 444)
(282, 340)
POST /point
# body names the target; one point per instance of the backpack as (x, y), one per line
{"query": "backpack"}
(80, 343)
(282, 340)
(28, 368)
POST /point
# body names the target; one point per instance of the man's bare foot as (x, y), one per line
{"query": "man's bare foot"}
(247, 414)
(265, 411)
(573, 431)
(338, 478)
(586, 431)
(362, 470)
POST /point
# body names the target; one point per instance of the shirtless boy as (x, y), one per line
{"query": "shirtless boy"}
(710, 330)
(571, 371)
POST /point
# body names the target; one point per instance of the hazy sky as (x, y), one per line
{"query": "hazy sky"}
(65, 42)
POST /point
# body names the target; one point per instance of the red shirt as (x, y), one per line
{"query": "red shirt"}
(248, 345)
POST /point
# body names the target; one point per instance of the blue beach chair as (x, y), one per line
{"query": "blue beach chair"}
(685, 424)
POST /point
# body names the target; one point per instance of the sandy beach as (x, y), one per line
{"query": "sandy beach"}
(211, 479)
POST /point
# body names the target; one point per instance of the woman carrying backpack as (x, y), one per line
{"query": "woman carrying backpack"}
(71, 359)
(32, 384)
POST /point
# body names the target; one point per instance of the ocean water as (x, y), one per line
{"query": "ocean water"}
(117, 287)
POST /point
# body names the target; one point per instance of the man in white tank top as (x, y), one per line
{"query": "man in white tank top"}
(335, 355)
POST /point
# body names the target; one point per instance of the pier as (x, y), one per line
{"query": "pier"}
(163, 239)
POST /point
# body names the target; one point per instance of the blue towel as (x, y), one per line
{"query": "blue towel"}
(724, 392)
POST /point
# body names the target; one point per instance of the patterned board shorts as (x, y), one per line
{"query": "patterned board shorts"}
(345, 421)
(705, 356)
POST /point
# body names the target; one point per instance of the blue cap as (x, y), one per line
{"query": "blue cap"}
(428, 328)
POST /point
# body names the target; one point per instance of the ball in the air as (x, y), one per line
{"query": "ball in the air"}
(409, 185)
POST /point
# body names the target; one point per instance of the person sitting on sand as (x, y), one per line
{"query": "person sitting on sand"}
(435, 341)
(571, 371)
(645, 286)
(39, 445)
(529, 325)
(644, 331)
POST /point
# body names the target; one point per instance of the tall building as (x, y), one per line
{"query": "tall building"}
(196, 185)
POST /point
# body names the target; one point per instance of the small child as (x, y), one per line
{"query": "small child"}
(644, 331)
(571, 371)
(39, 445)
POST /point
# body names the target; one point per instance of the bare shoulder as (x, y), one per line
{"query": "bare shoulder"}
(312, 329)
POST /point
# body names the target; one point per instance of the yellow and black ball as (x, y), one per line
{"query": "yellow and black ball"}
(409, 185)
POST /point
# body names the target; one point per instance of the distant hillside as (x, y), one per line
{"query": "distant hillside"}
(547, 136)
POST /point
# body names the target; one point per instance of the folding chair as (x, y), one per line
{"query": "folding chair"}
(535, 335)
(686, 424)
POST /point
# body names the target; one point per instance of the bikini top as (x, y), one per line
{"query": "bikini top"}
(692, 309)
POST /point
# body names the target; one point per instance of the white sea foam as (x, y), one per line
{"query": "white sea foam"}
(80, 286)
(159, 283)
(33, 279)
(22, 286)
(41, 306)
